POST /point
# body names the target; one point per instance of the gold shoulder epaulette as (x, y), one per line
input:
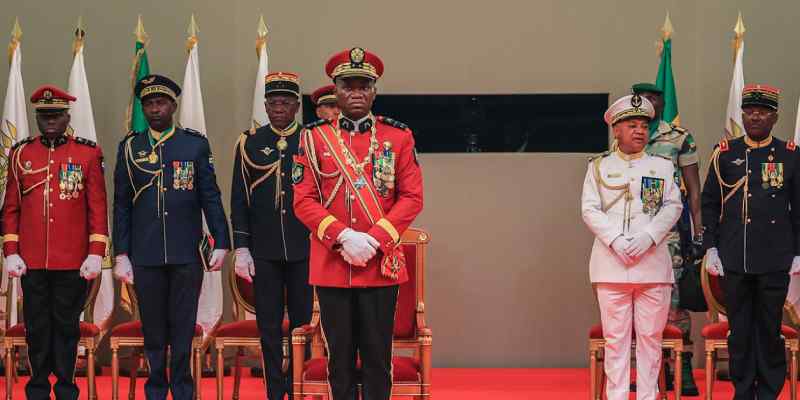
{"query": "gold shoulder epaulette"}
(601, 155)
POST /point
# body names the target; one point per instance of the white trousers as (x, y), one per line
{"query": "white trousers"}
(625, 308)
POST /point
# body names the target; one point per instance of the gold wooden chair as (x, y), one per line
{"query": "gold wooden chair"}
(411, 374)
(129, 334)
(90, 337)
(243, 333)
(716, 332)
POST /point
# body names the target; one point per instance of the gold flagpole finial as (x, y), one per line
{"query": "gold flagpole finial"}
(77, 43)
(261, 39)
(667, 30)
(739, 28)
(192, 30)
(16, 32)
(262, 27)
(141, 35)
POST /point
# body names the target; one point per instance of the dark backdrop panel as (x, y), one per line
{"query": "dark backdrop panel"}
(555, 123)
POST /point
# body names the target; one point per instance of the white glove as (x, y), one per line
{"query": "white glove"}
(714, 264)
(357, 247)
(243, 264)
(795, 266)
(638, 245)
(217, 259)
(123, 269)
(618, 245)
(15, 265)
(91, 267)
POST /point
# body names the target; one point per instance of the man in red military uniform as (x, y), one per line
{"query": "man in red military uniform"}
(55, 231)
(358, 187)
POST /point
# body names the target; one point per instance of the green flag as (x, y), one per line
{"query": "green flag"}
(665, 80)
(141, 68)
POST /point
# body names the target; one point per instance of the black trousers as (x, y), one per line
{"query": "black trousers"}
(52, 304)
(168, 296)
(272, 280)
(359, 322)
(757, 355)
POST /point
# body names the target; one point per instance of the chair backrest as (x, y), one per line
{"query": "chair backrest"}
(713, 292)
(411, 298)
(243, 294)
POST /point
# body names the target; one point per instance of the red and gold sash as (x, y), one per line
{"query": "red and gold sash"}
(367, 196)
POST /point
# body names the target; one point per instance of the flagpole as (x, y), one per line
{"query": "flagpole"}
(259, 114)
(733, 121)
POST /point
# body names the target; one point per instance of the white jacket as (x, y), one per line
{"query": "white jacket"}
(629, 214)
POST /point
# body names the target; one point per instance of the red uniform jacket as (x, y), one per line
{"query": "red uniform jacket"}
(325, 204)
(54, 213)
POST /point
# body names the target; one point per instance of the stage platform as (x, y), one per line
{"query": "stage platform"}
(448, 384)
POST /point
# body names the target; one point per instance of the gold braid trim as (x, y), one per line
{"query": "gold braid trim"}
(312, 158)
(129, 159)
(742, 182)
(625, 193)
(269, 170)
(27, 171)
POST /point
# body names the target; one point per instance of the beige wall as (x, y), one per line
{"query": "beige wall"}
(507, 278)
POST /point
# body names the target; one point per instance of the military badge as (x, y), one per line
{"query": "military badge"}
(297, 172)
(652, 195)
(183, 175)
(70, 181)
(357, 56)
(771, 175)
(383, 170)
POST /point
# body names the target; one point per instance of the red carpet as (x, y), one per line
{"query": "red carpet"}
(448, 384)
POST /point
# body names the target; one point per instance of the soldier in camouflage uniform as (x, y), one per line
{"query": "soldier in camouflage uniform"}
(677, 144)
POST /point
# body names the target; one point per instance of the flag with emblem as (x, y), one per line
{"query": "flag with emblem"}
(82, 125)
(259, 117)
(733, 117)
(192, 116)
(135, 120)
(13, 128)
(665, 79)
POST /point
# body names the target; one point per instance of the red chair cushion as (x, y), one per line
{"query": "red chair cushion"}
(88, 330)
(134, 329)
(239, 329)
(246, 329)
(719, 331)
(404, 369)
(670, 332)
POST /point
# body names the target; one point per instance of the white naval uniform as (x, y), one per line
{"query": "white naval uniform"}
(637, 295)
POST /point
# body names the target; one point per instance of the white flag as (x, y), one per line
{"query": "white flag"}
(13, 128)
(82, 125)
(733, 116)
(259, 117)
(192, 116)
(797, 124)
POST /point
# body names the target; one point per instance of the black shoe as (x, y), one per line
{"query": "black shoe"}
(688, 385)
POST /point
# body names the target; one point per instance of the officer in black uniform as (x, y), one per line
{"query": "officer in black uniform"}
(271, 244)
(163, 184)
(751, 213)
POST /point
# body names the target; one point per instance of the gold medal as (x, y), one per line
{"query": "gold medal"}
(282, 145)
(152, 158)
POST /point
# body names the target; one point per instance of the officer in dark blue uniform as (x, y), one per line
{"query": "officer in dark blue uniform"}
(163, 184)
(271, 243)
(751, 217)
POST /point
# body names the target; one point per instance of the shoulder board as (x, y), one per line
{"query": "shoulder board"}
(676, 128)
(601, 155)
(791, 145)
(723, 145)
(129, 134)
(662, 156)
(21, 142)
(249, 132)
(85, 142)
(316, 123)
(194, 133)
(393, 122)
